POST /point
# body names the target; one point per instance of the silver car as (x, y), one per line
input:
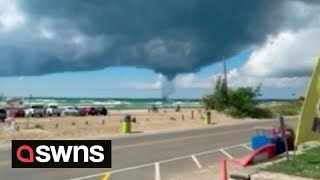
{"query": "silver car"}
(36, 111)
(69, 111)
(53, 110)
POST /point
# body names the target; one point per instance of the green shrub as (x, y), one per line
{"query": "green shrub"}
(262, 113)
(242, 100)
(238, 102)
(234, 112)
(218, 100)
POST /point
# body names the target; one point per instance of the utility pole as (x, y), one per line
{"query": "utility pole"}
(1, 98)
(225, 80)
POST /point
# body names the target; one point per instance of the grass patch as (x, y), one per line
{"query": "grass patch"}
(304, 165)
(287, 109)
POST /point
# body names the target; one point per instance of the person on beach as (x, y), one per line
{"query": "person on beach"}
(178, 108)
(154, 108)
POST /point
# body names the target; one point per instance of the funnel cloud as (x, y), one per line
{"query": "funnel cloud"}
(167, 89)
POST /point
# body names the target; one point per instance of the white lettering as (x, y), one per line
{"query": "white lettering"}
(96, 153)
(65, 153)
(76, 150)
(61, 152)
(41, 151)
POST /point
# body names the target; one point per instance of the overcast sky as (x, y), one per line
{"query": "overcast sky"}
(112, 48)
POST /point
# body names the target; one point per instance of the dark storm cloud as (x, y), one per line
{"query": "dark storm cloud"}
(168, 36)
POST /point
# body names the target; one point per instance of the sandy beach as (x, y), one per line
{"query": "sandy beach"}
(94, 126)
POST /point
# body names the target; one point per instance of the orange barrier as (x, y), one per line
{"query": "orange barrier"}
(261, 154)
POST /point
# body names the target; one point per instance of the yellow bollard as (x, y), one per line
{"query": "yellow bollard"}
(125, 124)
(207, 119)
(125, 127)
(105, 176)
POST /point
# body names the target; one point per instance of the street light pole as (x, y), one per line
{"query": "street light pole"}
(225, 83)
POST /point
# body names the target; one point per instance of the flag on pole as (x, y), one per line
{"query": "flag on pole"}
(308, 128)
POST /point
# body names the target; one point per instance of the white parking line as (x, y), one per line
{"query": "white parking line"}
(225, 153)
(151, 164)
(157, 169)
(247, 147)
(112, 172)
(196, 161)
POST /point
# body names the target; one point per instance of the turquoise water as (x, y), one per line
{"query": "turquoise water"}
(112, 103)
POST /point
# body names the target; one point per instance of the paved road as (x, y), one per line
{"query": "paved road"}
(141, 149)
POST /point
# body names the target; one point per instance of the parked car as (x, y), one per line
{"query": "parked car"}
(69, 111)
(53, 110)
(36, 111)
(100, 110)
(93, 111)
(85, 111)
(3, 115)
(16, 112)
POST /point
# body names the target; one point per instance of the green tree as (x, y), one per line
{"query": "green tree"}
(218, 99)
(239, 102)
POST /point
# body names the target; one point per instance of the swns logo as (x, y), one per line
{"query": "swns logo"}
(61, 154)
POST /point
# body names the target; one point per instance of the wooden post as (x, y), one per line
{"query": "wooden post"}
(284, 138)
(28, 118)
(182, 116)
(192, 114)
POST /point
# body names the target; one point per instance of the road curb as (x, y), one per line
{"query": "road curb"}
(5, 147)
(157, 132)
